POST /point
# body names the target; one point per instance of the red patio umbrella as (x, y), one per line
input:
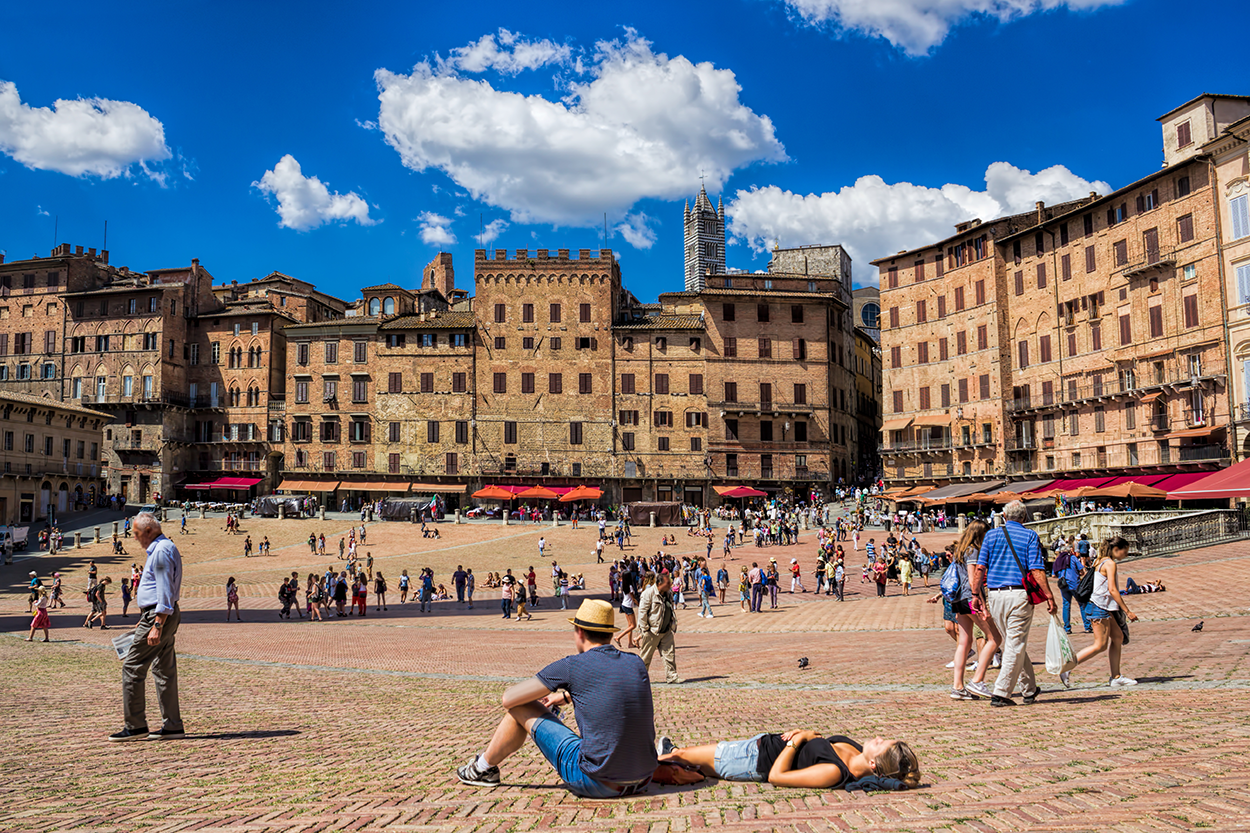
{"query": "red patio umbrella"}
(538, 493)
(744, 491)
(493, 493)
(582, 493)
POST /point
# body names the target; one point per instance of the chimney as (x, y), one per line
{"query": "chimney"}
(77, 249)
(104, 255)
(91, 252)
(1041, 212)
(1, 257)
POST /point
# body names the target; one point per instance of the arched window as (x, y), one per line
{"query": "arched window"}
(375, 306)
(388, 306)
(234, 397)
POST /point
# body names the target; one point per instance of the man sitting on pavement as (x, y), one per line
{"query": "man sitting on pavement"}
(611, 693)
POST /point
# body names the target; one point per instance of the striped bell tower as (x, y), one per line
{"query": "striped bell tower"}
(705, 241)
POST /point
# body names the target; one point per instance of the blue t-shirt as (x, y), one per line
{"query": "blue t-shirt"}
(611, 694)
(996, 555)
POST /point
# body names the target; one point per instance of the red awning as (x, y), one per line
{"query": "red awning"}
(1233, 481)
(1143, 479)
(234, 483)
(1079, 483)
(198, 486)
(1175, 482)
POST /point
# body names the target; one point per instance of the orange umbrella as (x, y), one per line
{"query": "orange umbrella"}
(1005, 497)
(493, 493)
(582, 493)
(538, 492)
(1134, 490)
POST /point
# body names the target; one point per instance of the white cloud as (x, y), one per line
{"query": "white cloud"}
(40, 211)
(873, 218)
(491, 231)
(304, 202)
(917, 26)
(368, 124)
(636, 231)
(81, 137)
(436, 229)
(643, 125)
(509, 53)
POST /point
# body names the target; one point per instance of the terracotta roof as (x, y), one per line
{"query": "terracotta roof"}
(338, 322)
(664, 322)
(770, 293)
(49, 402)
(443, 321)
(385, 286)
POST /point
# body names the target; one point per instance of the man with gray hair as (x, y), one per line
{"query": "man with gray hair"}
(1006, 553)
(159, 589)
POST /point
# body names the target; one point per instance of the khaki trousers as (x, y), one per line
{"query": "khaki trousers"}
(160, 658)
(1014, 615)
(668, 652)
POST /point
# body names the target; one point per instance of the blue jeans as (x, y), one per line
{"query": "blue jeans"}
(427, 601)
(506, 605)
(562, 747)
(757, 597)
(1067, 603)
(706, 608)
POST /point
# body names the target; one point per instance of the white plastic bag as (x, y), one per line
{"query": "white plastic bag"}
(1059, 654)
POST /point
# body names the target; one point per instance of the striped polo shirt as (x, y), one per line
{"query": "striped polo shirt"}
(1002, 569)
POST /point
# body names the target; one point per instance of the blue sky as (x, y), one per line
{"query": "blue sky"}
(347, 143)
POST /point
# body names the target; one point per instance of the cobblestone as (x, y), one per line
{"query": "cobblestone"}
(357, 724)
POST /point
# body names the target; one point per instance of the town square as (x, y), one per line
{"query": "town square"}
(795, 416)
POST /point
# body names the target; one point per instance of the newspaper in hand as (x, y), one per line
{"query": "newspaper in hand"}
(122, 643)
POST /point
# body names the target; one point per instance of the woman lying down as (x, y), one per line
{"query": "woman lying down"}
(799, 758)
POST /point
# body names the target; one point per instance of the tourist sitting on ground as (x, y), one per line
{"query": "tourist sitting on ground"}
(1151, 586)
(611, 694)
(579, 582)
(441, 595)
(800, 758)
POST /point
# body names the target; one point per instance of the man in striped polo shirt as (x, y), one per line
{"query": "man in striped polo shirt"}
(998, 584)
(611, 693)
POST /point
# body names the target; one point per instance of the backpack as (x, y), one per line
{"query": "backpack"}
(955, 582)
(1062, 560)
(1085, 587)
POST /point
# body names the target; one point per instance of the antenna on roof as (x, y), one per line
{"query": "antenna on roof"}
(106, 235)
(605, 229)
(56, 225)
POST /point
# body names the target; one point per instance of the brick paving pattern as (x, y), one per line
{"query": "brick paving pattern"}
(357, 724)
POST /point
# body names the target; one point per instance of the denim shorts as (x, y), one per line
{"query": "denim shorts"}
(738, 760)
(947, 614)
(1093, 612)
(562, 747)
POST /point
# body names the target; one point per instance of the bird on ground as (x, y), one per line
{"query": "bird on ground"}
(1198, 627)
(803, 662)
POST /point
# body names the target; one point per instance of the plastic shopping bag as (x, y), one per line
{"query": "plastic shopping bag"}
(1059, 654)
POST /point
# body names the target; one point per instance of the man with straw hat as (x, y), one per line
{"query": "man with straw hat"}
(611, 694)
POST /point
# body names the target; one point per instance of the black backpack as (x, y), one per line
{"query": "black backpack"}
(1085, 587)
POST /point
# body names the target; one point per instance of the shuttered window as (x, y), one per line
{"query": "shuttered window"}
(1239, 208)
(1126, 330)
(427, 382)
(1091, 262)
(627, 383)
(584, 383)
(1185, 228)
(527, 383)
(1043, 349)
(555, 383)
(1191, 310)
(696, 384)
(660, 384)
(501, 382)
(395, 383)
(1065, 267)
(1041, 276)
(1156, 321)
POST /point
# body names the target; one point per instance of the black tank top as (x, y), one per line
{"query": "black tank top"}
(816, 751)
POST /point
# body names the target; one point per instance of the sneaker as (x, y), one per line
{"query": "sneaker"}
(998, 660)
(997, 701)
(470, 774)
(1064, 676)
(950, 664)
(167, 734)
(961, 694)
(1031, 696)
(664, 745)
(700, 615)
(971, 666)
(1122, 681)
(979, 690)
(130, 734)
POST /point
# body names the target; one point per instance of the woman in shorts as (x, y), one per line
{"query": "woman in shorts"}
(800, 758)
(1103, 611)
(628, 602)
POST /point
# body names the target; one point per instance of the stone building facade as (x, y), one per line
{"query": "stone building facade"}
(50, 457)
(1083, 339)
(705, 241)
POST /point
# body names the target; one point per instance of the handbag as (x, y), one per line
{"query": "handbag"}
(1031, 586)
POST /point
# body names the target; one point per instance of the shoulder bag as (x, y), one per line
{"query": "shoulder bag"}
(1031, 585)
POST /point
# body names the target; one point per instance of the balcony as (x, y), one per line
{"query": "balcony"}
(1150, 259)
(1160, 422)
(277, 404)
(769, 407)
(1110, 389)
(914, 446)
(232, 465)
(1243, 412)
(1187, 453)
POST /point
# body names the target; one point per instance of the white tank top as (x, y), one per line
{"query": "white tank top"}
(1102, 594)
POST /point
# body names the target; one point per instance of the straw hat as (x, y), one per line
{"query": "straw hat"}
(595, 615)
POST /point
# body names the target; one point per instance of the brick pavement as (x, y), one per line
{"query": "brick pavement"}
(356, 724)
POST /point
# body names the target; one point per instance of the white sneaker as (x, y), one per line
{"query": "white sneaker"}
(1122, 681)
(950, 664)
(998, 660)
(711, 616)
(979, 690)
